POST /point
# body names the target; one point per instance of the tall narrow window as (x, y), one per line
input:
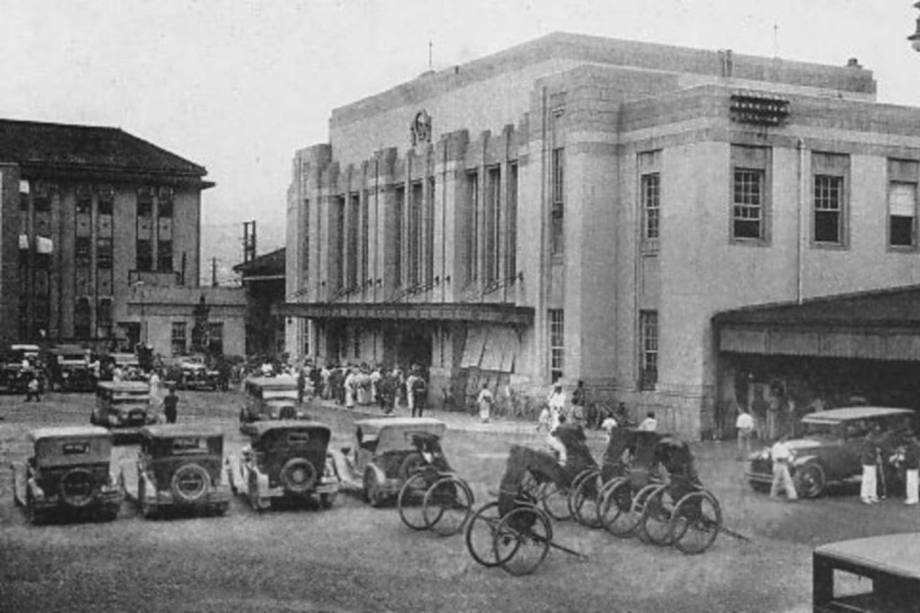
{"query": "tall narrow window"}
(363, 268)
(648, 348)
(144, 247)
(83, 231)
(178, 338)
(556, 343)
(829, 221)
(557, 211)
(105, 256)
(305, 241)
(750, 194)
(429, 232)
(414, 237)
(511, 225)
(216, 338)
(650, 192)
(400, 198)
(472, 244)
(165, 206)
(339, 238)
(903, 177)
(493, 220)
(81, 318)
(354, 225)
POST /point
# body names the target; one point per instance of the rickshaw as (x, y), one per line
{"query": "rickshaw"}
(515, 532)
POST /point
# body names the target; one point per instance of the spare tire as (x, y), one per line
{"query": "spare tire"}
(298, 476)
(190, 482)
(288, 412)
(76, 488)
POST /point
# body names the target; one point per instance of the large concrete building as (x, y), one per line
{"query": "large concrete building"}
(100, 234)
(586, 208)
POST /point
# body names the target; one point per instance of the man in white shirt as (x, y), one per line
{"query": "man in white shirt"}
(556, 406)
(745, 426)
(649, 424)
(781, 454)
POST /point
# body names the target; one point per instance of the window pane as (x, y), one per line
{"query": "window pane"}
(747, 211)
(828, 208)
(827, 227)
(901, 231)
(650, 204)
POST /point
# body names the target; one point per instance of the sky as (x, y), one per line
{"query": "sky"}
(237, 85)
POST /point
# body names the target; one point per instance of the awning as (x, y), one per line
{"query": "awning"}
(875, 325)
(481, 312)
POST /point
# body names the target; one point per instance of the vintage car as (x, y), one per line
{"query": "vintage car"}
(828, 452)
(286, 459)
(68, 473)
(389, 450)
(270, 398)
(880, 574)
(192, 372)
(12, 377)
(180, 466)
(123, 406)
(72, 372)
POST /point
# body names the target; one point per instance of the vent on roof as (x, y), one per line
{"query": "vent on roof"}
(759, 110)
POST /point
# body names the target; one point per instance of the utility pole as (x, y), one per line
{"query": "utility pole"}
(213, 272)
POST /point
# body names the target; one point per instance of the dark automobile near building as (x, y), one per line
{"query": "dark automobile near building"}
(192, 372)
(12, 374)
(270, 398)
(123, 406)
(70, 368)
(828, 451)
(883, 573)
(180, 466)
(69, 472)
(285, 459)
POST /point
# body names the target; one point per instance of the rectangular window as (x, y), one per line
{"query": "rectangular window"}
(81, 318)
(828, 209)
(216, 337)
(511, 226)
(429, 232)
(104, 313)
(339, 254)
(165, 231)
(144, 248)
(472, 244)
(104, 255)
(493, 219)
(400, 198)
(648, 347)
(178, 339)
(351, 256)
(364, 265)
(557, 206)
(556, 343)
(305, 238)
(750, 193)
(414, 234)
(650, 193)
(903, 177)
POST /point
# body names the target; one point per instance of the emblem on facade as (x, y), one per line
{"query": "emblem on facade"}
(421, 128)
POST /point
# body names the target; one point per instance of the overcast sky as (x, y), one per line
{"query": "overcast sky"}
(238, 85)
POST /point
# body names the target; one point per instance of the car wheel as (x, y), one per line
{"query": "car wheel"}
(190, 482)
(810, 480)
(372, 488)
(76, 488)
(298, 476)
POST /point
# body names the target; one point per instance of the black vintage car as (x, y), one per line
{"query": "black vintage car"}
(69, 472)
(13, 376)
(285, 459)
(70, 369)
(180, 466)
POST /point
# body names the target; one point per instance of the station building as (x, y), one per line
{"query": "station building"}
(678, 228)
(100, 235)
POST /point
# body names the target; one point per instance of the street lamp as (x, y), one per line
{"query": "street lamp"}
(915, 37)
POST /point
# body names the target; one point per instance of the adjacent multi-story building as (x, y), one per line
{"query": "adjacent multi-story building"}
(100, 240)
(587, 208)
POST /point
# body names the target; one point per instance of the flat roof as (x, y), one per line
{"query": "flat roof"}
(284, 381)
(897, 554)
(68, 431)
(847, 413)
(259, 428)
(125, 386)
(175, 430)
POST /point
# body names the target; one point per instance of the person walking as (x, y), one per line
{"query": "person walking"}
(745, 426)
(649, 424)
(868, 491)
(911, 468)
(556, 402)
(33, 388)
(418, 392)
(485, 401)
(782, 479)
(171, 405)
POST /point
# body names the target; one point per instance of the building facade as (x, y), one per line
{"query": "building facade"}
(99, 237)
(582, 208)
(263, 281)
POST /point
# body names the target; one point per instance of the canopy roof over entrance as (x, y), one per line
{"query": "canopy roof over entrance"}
(880, 325)
(480, 312)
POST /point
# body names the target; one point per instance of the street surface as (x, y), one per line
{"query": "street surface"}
(356, 558)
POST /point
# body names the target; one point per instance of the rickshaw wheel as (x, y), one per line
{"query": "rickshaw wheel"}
(480, 535)
(613, 512)
(447, 505)
(522, 540)
(584, 501)
(555, 501)
(588, 472)
(637, 509)
(696, 522)
(656, 517)
(410, 500)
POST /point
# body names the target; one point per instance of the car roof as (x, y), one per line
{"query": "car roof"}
(67, 349)
(259, 428)
(893, 553)
(125, 386)
(848, 413)
(281, 381)
(23, 347)
(427, 424)
(68, 432)
(179, 430)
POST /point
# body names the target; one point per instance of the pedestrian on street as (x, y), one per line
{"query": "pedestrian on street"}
(417, 391)
(868, 491)
(745, 426)
(556, 402)
(911, 468)
(33, 389)
(649, 424)
(485, 401)
(782, 479)
(171, 405)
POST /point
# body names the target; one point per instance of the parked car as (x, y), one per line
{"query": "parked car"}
(180, 466)
(12, 374)
(285, 459)
(270, 398)
(389, 450)
(828, 452)
(71, 370)
(69, 472)
(889, 565)
(123, 406)
(192, 372)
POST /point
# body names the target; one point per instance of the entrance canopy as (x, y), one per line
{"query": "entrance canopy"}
(876, 325)
(486, 313)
